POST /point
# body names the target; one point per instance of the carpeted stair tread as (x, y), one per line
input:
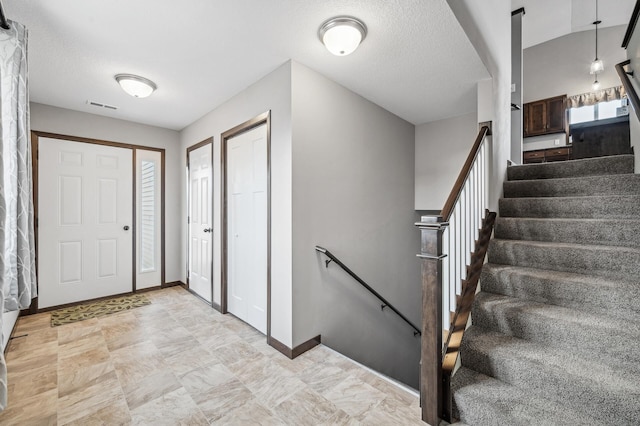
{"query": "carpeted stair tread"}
(612, 298)
(605, 261)
(622, 184)
(610, 165)
(554, 374)
(599, 206)
(612, 232)
(481, 400)
(578, 331)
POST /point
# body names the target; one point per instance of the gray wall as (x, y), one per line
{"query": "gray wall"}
(488, 26)
(270, 93)
(441, 149)
(51, 119)
(561, 65)
(353, 189)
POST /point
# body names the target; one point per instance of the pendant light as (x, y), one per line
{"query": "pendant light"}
(597, 66)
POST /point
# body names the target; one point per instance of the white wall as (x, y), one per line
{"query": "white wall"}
(561, 66)
(51, 119)
(272, 92)
(353, 190)
(488, 26)
(441, 149)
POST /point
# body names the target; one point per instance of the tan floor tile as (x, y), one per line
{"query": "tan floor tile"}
(32, 382)
(38, 409)
(306, 407)
(392, 412)
(321, 377)
(190, 359)
(222, 399)
(31, 323)
(250, 413)
(149, 388)
(72, 378)
(200, 381)
(174, 408)
(354, 396)
(236, 352)
(115, 414)
(90, 399)
(133, 363)
(70, 332)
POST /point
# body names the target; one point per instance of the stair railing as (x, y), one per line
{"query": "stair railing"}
(628, 86)
(453, 246)
(385, 302)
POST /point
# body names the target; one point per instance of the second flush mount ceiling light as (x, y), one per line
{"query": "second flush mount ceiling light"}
(342, 35)
(136, 86)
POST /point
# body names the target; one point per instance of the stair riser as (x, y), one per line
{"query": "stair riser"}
(593, 260)
(610, 233)
(586, 186)
(554, 384)
(590, 167)
(614, 207)
(618, 302)
(514, 320)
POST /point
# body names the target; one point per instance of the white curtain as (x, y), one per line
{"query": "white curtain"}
(17, 246)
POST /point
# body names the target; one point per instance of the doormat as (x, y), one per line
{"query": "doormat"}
(97, 309)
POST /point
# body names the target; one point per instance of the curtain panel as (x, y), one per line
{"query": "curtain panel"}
(592, 98)
(17, 246)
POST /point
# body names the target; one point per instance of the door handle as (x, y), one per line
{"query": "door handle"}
(126, 227)
(208, 230)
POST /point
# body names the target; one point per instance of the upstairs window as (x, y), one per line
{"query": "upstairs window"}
(596, 105)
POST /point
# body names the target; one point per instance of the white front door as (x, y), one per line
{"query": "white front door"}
(200, 222)
(85, 221)
(246, 190)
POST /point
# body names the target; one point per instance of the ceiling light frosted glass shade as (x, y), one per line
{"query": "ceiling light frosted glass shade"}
(342, 35)
(595, 85)
(136, 86)
(597, 66)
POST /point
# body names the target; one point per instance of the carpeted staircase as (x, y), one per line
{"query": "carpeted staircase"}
(555, 338)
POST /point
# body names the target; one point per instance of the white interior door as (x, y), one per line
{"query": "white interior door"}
(85, 221)
(247, 227)
(200, 221)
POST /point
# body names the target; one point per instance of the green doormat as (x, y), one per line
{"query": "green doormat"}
(97, 309)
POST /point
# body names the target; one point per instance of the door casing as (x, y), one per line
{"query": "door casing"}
(35, 136)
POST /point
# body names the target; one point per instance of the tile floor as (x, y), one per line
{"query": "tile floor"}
(179, 362)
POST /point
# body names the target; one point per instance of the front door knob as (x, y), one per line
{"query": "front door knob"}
(208, 230)
(126, 228)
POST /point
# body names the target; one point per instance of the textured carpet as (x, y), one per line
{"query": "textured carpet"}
(97, 309)
(555, 338)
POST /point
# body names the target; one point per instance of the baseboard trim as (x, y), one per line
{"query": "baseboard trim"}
(303, 347)
(295, 352)
(174, 284)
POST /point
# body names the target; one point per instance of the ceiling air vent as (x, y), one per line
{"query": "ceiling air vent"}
(101, 105)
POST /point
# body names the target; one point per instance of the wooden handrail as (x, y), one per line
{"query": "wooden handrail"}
(464, 173)
(628, 86)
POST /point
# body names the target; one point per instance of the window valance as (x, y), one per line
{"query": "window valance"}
(592, 98)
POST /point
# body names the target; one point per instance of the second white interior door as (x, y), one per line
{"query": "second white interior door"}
(200, 222)
(246, 190)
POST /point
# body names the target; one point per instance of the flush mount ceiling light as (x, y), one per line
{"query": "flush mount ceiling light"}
(597, 66)
(342, 35)
(136, 86)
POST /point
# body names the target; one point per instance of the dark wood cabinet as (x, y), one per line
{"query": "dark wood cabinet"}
(545, 116)
(547, 155)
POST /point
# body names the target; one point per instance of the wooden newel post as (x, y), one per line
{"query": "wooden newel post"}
(431, 255)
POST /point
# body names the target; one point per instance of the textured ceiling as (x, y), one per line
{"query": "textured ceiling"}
(416, 60)
(545, 20)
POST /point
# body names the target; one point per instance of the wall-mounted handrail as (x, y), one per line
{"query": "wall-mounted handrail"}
(385, 302)
(447, 210)
(628, 86)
